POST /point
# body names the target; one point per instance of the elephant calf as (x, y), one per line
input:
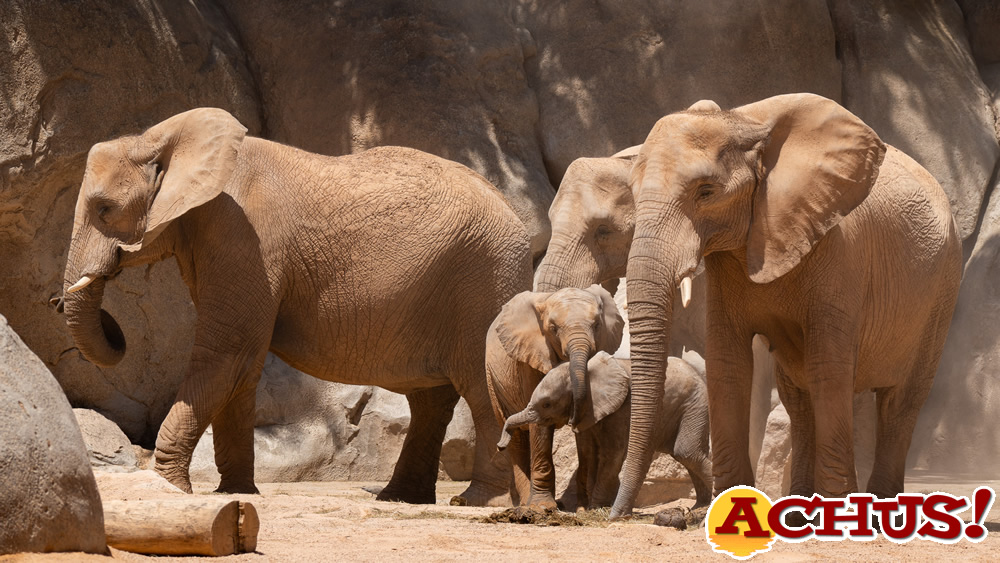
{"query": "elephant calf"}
(530, 336)
(603, 426)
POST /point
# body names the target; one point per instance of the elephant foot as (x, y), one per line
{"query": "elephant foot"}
(542, 503)
(176, 478)
(481, 495)
(410, 496)
(696, 517)
(235, 488)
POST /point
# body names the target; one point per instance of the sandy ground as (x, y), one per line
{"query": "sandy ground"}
(341, 522)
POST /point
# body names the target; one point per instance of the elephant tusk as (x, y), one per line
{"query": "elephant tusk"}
(686, 291)
(84, 282)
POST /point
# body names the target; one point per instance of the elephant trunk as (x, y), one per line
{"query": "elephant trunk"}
(580, 350)
(566, 264)
(95, 332)
(517, 420)
(665, 251)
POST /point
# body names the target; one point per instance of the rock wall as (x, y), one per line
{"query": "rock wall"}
(49, 499)
(516, 89)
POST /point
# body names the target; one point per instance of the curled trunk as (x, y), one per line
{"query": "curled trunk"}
(95, 332)
(517, 420)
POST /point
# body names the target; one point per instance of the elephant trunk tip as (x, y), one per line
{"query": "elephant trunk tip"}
(504, 441)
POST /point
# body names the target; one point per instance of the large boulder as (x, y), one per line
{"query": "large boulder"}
(49, 499)
(604, 72)
(75, 74)
(107, 446)
(443, 77)
(909, 74)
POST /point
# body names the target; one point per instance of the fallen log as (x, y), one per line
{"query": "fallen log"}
(203, 526)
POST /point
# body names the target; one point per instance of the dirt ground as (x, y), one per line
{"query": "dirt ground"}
(339, 521)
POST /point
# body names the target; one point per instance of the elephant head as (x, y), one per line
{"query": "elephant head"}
(592, 219)
(763, 182)
(552, 400)
(133, 188)
(543, 329)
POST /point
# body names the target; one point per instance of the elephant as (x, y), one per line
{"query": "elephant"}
(604, 423)
(593, 220)
(841, 250)
(379, 268)
(530, 336)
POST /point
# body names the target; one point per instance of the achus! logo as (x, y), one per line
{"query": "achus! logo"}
(743, 522)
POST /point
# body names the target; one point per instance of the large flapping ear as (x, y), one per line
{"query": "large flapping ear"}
(609, 387)
(609, 337)
(519, 327)
(819, 163)
(196, 154)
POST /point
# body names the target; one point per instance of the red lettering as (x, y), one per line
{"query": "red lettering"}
(953, 525)
(909, 505)
(861, 516)
(791, 504)
(742, 511)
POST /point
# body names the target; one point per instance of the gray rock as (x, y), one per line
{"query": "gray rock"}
(926, 99)
(49, 499)
(107, 446)
(604, 72)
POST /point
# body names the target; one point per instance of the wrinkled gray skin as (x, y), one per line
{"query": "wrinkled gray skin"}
(604, 424)
(530, 336)
(839, 249)
(381, 268)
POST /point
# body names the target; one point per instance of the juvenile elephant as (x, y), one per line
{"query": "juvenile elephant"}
(533, 333)
(839, 249)
(381, 268)
(681, 432)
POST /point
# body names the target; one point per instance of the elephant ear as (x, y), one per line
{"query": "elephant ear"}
(519, 327)
(818, 163)
(609, 338)
(196, 153)
(609, 387)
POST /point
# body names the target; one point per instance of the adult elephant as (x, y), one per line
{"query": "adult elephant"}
(382, 268)
(841, 250)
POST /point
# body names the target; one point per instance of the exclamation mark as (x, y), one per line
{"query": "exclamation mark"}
(982, 499)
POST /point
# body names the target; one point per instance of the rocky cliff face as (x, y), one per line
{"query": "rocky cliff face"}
(516, 89)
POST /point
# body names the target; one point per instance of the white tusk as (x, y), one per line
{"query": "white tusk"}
(686, 291)
(84, 282)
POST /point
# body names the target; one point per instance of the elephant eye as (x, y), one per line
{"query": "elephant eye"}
(602, 230)
(546, 405)
(705, 191)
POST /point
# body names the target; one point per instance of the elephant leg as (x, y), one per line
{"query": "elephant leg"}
(520, 457)
(214, 379)
(491, 470)
(543, 473)
(585, 470)
(730, 377)
(829, 369)
(415, 475)
(798, 404)
(233, 439)
(607, 460)
(691, 449)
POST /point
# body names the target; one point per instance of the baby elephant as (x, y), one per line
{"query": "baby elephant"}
(603, 426)
(533, 333)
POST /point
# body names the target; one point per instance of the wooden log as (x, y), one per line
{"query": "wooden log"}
(196, 526)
